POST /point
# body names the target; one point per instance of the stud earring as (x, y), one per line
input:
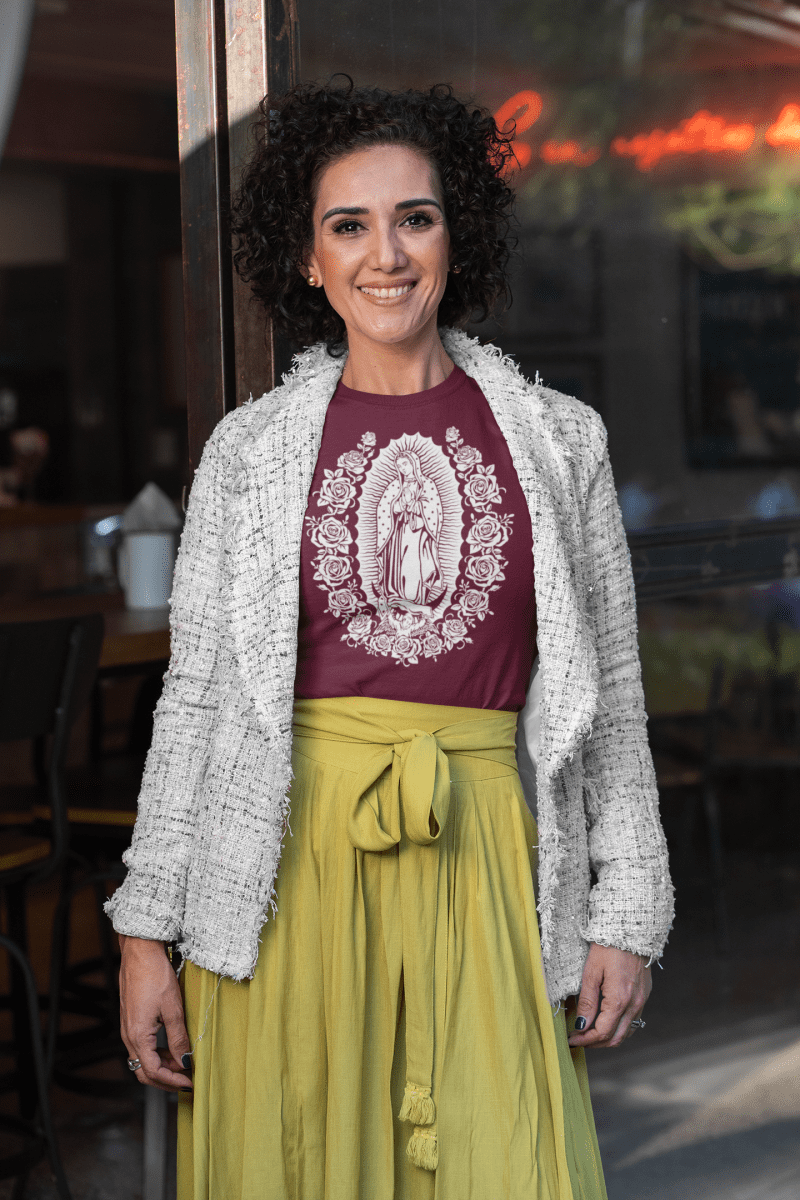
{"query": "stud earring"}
(312, 281)
(456, 270)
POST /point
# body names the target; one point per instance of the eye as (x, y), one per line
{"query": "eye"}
(348, 226)
(417, 220)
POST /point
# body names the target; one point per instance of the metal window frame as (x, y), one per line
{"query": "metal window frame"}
(230, 54)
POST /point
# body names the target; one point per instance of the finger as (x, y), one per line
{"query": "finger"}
(623, 1030)
(606, 1024)
(139, 1049)
(164, 1083)
(632, 1029)
(168, 1060)
(587, 1004)
(164, 1077)
(153, 1071)
(596, 1020)
(180, 1048)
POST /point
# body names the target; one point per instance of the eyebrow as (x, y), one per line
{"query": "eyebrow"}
(347, 212)
(360, 212)
(415, 203)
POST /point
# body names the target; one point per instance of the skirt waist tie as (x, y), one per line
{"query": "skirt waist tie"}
(414, 762)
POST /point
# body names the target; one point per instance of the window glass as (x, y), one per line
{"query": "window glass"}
(659, 156)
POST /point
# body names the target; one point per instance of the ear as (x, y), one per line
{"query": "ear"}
(311, 266)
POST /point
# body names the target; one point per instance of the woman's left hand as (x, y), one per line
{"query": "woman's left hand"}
(614, 990)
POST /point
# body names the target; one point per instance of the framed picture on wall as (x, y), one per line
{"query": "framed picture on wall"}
(743, 368)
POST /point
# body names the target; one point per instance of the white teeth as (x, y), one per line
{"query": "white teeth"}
(387, 293)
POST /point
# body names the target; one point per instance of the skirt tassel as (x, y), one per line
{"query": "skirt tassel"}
(423, 1148)
(417, 1106)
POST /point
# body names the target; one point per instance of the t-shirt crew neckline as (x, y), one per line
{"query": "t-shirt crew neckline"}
(440, 391)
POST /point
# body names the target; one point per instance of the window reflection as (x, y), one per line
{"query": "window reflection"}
(657, 161)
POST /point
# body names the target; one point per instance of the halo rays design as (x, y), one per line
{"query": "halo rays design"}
(382, 474)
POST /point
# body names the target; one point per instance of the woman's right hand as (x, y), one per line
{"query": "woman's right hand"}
(149, 998)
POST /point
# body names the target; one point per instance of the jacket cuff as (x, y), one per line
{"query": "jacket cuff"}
(634, 943)
(135, 914)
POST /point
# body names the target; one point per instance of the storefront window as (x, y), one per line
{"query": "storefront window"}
(658, 157)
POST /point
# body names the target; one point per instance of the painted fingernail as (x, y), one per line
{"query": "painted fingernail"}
(580, 1024)
(186, 1061)
(186, 1089)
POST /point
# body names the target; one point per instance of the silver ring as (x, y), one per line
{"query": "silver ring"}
(134, 1064)
(639, 1023)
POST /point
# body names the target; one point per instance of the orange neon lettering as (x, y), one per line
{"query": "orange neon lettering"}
(569, 152)
(523, 155)
(523, 107)
(702, 132)
(786, 130)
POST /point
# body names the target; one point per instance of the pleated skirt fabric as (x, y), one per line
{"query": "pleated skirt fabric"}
(396, 1041)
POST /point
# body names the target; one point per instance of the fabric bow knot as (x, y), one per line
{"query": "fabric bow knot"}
(419, 793)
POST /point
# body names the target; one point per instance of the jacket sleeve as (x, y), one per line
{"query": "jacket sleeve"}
(630, 904)
(150, 901)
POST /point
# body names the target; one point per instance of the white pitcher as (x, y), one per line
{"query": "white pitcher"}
(146, 562)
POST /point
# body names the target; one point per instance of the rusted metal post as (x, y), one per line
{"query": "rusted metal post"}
(230, 54)
(262, 55)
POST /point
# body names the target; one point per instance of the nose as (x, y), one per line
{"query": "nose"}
(387, 251)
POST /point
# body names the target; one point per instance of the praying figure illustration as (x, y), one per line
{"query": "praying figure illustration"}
(409, 527)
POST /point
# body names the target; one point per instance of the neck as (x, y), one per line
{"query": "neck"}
(396, 370)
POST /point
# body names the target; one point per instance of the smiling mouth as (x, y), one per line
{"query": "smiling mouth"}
(388, 293)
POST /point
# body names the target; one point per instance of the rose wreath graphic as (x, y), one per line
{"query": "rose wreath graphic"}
(408, 636)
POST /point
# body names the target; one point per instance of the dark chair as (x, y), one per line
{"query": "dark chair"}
(751, 726)
(102, 797)
(47, 669)
(684, 747)
(102, 801)
(101, 811)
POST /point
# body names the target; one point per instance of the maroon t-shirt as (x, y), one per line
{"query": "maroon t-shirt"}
(416, 569)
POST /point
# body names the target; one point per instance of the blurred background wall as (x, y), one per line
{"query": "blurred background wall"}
(91, 338)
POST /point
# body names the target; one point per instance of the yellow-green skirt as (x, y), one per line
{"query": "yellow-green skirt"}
(396, 1041)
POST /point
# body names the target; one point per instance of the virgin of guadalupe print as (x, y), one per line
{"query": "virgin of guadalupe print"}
(410, 520)
(409, 529)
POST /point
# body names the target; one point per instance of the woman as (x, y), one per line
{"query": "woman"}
(379, 1016)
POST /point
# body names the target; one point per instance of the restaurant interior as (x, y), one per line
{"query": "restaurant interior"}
(657, 278)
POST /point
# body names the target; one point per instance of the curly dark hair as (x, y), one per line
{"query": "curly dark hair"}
(310, 126)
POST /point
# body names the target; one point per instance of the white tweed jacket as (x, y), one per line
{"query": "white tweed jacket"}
(213, 807)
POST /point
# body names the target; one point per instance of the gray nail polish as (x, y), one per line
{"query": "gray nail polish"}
(580, 1024)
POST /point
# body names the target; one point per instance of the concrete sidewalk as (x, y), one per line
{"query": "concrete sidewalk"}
(711, 1116)
(704, 1103)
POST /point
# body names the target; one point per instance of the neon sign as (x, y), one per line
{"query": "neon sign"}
(786, 130)
(524, 108)
(704, 132)
(701, 132)
(569, 152)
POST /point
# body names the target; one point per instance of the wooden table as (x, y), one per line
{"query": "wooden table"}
(133, 637)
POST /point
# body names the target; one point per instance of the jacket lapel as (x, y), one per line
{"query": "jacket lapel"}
(568, 664)
(277, 463)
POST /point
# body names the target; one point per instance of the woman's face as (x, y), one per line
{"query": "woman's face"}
(381, 246)
(404, 466)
